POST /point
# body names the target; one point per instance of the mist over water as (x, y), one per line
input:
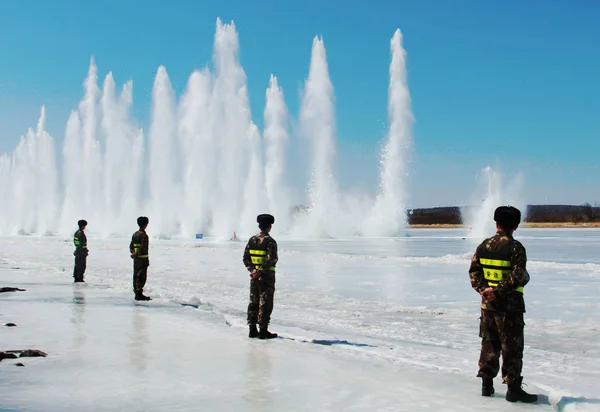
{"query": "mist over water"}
(494, 192)
(204, 166)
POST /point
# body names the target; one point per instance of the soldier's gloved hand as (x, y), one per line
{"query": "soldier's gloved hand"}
(255, 274)
(488, 294)
(132, 256)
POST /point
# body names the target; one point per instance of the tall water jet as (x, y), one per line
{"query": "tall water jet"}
(231, 121)
(122, 160)
(24, 186)
(276, 136)
(163, 163)
(318, 125)
(388, 216)
(28, 184)
(47, 179)
(91, 173)
(115, 151)
(132, 166)
(255, 188)
(197, 141)
(73, 208)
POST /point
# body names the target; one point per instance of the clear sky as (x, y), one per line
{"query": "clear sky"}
(514, 83)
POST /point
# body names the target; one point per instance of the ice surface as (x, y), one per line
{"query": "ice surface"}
(396, 319)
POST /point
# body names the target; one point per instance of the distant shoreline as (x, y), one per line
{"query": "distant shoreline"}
(542, 225)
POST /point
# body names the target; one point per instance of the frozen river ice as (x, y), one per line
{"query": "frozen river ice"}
(396, 318)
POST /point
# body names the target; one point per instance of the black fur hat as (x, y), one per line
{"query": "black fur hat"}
(82, 223)
(265, 219)
(142, 221)
(507, 216)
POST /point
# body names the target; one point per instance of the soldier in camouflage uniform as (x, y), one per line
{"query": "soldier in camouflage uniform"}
(81, 251)
(498, 273)
(139, 253)
(260, 258)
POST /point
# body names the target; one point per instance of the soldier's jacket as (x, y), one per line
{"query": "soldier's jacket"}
(265, 242)
(507, 299)
(80, 241)
(139, 245)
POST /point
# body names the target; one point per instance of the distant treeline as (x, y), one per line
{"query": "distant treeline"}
(452, 215)
(534, 213)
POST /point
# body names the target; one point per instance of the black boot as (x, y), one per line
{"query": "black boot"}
(253, 331)
(516, 394)
(141, 296)
(487, 386)
(265, 334)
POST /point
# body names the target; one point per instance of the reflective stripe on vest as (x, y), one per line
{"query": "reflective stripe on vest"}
(258, 258)
(76, 241)
(494, 271)
(136, 248)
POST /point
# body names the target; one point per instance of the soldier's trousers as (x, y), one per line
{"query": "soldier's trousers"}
(140, 273)
(501, 333)
(262, 291)
(80, 264)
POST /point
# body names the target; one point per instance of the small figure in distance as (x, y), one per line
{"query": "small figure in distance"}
(81, 251)
(138, 247)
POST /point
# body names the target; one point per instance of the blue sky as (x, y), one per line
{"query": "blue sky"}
(514, 83)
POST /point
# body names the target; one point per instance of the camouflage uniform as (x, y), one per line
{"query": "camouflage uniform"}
(501, 325)
(81, 253)
(262, 289)
(139, 249)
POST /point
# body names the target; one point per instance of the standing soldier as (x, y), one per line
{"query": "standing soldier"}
(498, 274)
(139, 253)
(260, 258)
(81, 251)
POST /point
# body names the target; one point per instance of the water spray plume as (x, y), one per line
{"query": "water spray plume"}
(276, 137)
(205, 167)
(388, 217)
(493, 193)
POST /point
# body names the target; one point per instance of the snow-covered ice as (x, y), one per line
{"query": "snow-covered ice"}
(396, 320)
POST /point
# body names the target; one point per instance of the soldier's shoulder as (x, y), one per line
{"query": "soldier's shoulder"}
(517, 244)
(485, 242)
(253, 240)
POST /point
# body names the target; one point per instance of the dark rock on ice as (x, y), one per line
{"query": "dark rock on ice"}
(7, 355)
(7, 289)
(32, 353)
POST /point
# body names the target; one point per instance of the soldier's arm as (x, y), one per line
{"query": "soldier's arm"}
(144, 246)
(478, 282)
(83, 240)
(131, 248)
(80, 241)
(271, 258)
(519, 275)
(247, 259)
